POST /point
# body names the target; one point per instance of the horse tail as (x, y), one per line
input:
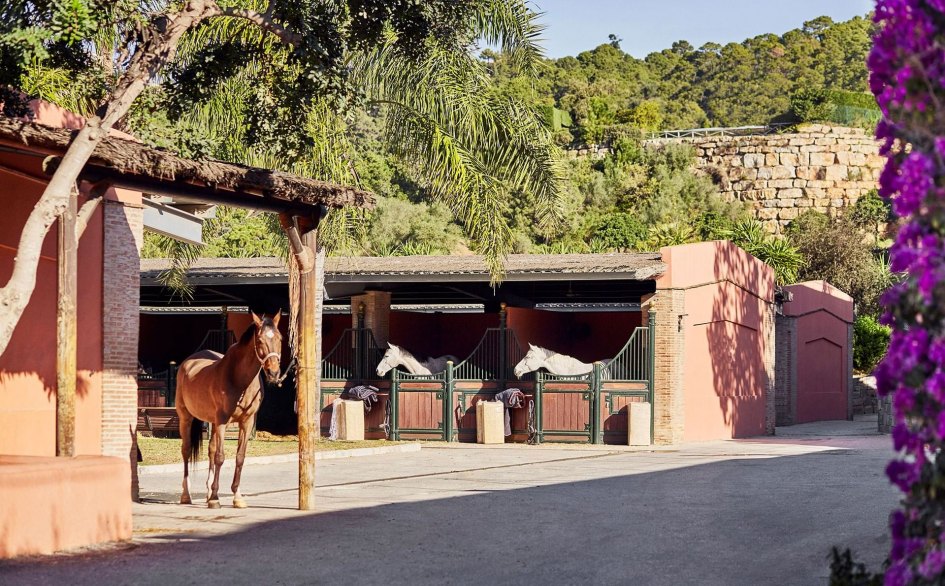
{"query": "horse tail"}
(196, 439)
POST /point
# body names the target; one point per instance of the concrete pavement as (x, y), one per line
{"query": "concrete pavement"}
(751, 512)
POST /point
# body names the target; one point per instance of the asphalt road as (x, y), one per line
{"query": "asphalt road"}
(740, 512)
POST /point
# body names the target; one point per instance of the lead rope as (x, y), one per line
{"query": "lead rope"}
(532, 429)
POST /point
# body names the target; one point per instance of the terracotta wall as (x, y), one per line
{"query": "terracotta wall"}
(587, 336)
(436, 334)
(726, 324)
(824, 316)
(28, 367)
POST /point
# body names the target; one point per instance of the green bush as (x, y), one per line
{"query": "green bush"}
(870, 340)
(619, 231)
(808, 104)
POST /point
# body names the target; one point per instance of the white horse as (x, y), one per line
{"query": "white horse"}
(397, 356)
(561, 364)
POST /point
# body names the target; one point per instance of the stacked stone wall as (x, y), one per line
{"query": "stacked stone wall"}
(779, 176)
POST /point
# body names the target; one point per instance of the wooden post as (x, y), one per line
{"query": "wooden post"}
(308, 378)
(67, 260)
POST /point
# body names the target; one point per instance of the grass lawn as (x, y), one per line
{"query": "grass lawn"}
(156, 450)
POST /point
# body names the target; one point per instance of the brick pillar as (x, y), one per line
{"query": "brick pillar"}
(785, 368)
(121, 286)
(668, 407)
(376, 314)
(768, 338)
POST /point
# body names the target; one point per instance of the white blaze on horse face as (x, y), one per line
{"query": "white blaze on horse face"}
(270, 334)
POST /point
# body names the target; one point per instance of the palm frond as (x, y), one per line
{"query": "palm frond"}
(513, 26)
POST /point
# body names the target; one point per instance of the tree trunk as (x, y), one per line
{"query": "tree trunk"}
(159, 50)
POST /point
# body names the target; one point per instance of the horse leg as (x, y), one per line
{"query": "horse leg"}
(186, 420)
(245, 425)
(215, 463)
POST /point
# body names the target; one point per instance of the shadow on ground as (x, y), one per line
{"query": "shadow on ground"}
(748, 521)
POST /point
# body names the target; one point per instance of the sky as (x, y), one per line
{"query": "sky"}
(652, 25)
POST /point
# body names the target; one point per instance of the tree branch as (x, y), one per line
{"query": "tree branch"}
(265, 22)
(85, 214)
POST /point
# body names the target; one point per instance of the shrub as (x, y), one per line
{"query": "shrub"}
(870, 341)
(808, 104)
(619, 231)
(837, 251)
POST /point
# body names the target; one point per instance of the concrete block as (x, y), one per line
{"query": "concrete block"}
(490, 422)
(638, 424)
(350, 420)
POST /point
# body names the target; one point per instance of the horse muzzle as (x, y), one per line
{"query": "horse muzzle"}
(273, 377)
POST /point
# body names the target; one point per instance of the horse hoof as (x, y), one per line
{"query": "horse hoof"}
(213, 504)
(185, 500)
(239, 504)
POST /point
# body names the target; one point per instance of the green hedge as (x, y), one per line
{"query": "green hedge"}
(870, 341)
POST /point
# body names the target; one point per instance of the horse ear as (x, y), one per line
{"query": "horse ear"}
(532, 346)
(275, 318)
(256, 319)
(392, 347)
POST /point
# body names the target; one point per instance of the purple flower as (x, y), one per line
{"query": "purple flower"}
(934, 561)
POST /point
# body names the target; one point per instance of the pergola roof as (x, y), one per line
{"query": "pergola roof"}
(561, 281)
(136, 166)
(636, 266)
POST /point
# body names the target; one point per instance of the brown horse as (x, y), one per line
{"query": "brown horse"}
(221, 389)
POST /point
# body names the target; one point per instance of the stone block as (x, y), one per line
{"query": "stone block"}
(639, 416)
(790, 159)
(837, 203)
(765, 173)
(804, 203)
(791, 193)
(813, 149)
(788, 214)
(826, 141)
(490, 422)
(815, 192)
(350, 420)
(812, 173)
(782, 172)
(753, 160)
(785, 203)
(837, 173)
(822, 159)
(781, 183)
(767, 214)
(771, 159)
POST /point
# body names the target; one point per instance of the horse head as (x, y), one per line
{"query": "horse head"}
(390, 359)
(267, 343)
(534, 359)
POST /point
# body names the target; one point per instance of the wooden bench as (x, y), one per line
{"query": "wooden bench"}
(163, 422)
(158, 422)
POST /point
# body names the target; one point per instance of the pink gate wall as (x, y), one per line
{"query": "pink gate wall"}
(725, 326)
(822, 363)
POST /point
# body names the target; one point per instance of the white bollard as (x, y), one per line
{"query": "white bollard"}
(490, 422)
(638, 424)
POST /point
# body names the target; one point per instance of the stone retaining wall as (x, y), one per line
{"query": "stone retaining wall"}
(779, 176)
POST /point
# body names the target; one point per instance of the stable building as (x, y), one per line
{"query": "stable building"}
(689, 330)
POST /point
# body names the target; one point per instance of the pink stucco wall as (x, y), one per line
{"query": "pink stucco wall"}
(727, 294)
(824, 314)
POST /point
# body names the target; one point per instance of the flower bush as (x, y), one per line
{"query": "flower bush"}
(907, 65)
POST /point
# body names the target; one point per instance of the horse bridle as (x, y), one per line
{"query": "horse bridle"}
(262, 360)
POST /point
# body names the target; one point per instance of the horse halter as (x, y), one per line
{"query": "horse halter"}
(262, 360)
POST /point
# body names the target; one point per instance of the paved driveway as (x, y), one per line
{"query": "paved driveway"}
(739, 512)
